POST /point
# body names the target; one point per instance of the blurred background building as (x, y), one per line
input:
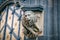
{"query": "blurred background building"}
(10, 31)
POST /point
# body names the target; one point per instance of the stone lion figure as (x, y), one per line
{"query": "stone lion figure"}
(28, 22)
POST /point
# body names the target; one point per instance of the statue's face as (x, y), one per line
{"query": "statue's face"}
(29, 15)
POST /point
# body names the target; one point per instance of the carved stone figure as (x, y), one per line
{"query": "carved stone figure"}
(28, 22)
